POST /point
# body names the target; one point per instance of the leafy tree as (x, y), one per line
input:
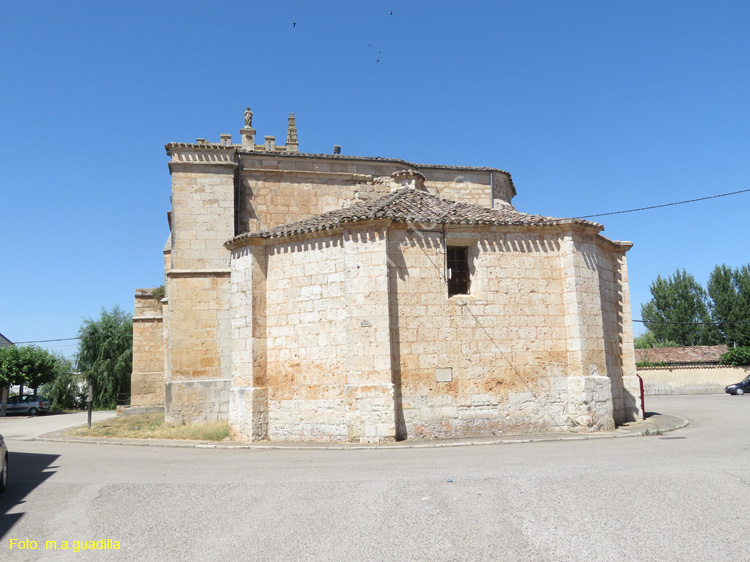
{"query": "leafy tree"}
(678, 311)
(105, 355)
(27, 366)
(648, 340)
(7, 370)
(729, 290)
(40, 366)
(6, 376)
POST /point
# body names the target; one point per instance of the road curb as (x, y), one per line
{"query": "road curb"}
(655, 425)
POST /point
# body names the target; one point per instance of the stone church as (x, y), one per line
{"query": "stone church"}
(330, 297)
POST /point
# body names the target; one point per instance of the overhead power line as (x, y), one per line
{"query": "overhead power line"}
(45, 341)
(581, 217)
(664, 205)
(709, 323)
(62, 339)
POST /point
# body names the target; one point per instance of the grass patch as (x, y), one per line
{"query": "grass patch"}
(153, 426)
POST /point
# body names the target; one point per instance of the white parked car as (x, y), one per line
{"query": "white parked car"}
(28, 404)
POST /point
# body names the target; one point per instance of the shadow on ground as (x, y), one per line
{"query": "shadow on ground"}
(26, 471)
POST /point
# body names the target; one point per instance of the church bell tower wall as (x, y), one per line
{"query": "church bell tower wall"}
(198, 374)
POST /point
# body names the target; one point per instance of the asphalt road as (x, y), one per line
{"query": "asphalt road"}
(680, 496)
(26, 428)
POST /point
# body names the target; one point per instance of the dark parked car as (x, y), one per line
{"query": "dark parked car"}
(26, 404)
(740, 387)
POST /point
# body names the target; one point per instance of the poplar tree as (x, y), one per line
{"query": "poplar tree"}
(729, 290)
(678, 311)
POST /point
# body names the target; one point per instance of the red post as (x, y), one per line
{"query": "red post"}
(643, 402)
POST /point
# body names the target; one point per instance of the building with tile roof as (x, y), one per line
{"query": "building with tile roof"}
(339, 298)
(687, 370)
(683, 356)
(5, 342)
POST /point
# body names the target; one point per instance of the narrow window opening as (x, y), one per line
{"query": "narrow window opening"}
(458, 270)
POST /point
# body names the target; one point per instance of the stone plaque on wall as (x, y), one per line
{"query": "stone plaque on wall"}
(444, 375)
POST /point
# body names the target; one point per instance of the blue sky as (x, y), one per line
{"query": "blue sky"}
(592, 106)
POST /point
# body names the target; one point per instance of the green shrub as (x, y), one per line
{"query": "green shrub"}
(159, 293)
(736, 356)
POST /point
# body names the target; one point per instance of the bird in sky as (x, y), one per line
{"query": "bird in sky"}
(391, 13)
(294, 24)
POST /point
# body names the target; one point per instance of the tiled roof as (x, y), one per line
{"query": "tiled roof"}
(411, 206)
(699, 354)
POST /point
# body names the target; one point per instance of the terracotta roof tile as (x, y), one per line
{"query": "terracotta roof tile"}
(411, 206)
(696, 355)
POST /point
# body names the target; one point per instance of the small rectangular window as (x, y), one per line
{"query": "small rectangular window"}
(458, 270)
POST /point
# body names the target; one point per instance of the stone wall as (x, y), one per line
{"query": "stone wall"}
(352, 336)
(618, 333)
(699, 379)
(202, 215)
(277, 190)
(248, 406)
(147, 379)
(589, 388)
(199, 346)
(319, 360)
(370, 413)
(273, 190)
(500, 353)
(306, 341)
(198, 366)
(488, 189)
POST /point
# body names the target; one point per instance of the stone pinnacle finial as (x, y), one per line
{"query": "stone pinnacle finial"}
(247, 132)
(291, 135)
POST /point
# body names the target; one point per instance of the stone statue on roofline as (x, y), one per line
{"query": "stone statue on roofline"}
(248, 118)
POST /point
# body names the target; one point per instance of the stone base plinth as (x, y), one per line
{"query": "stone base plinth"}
(248, 413)
(197, 401)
